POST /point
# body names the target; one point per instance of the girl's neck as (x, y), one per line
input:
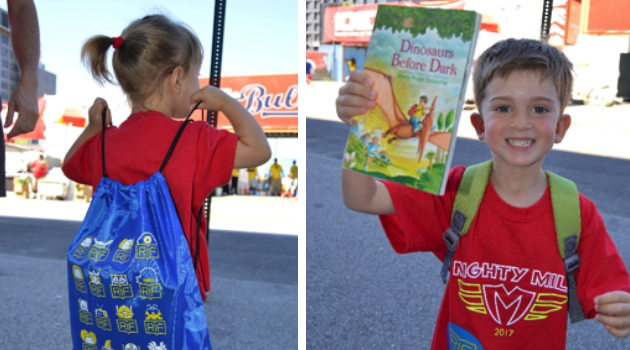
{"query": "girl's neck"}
(520, 187)
(136, 109)
(153, 104)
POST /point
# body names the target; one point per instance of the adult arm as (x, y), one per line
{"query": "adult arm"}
(25, 39)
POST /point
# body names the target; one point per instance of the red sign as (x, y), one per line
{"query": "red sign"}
(349, 23)
(353, 24)
(573, 22)
(317, 59)
(605, 17)
(271, 99)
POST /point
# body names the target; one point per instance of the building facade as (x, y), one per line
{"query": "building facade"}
(47, 82)
(9, 70)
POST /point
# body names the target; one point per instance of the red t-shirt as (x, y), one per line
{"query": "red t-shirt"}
(507, 286)
(202, 161)
(39, 169)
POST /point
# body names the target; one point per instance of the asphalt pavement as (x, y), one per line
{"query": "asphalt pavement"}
(254, 299)
(362, 295)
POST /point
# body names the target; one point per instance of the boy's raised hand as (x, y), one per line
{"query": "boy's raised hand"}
(355, 96)
(614, 312)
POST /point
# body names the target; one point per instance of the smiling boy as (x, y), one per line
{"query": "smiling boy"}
(507, 288)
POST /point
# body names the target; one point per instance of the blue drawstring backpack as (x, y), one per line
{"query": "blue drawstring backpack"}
(131, 279)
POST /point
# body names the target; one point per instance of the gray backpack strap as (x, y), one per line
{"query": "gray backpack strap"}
(451, 237)
(572, 262)
(565, 201)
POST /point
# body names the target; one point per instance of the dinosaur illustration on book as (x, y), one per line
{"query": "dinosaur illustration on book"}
(399, 126)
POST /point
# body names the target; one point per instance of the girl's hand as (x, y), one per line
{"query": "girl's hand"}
(355, 96)
(614, 312)
(95, 114)
(94, 127)
(211, 98)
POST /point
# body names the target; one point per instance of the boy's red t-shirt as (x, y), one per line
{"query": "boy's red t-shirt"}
(507, 285)
(202, 161)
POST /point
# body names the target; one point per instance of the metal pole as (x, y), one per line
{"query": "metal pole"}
(215, 76)
(546, 21)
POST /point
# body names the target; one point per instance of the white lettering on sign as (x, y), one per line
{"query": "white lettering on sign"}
(354, 23)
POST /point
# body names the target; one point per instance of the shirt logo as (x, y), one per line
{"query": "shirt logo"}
(508, 307)
(512, 305)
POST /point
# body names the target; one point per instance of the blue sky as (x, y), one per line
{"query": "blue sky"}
(260, 37)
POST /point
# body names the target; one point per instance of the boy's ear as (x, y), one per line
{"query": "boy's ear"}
(477, 122)
(175, 79)
(561, 129)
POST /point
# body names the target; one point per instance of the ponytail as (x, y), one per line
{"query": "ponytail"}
(94, 57)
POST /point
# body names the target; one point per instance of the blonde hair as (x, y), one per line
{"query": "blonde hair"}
(152, 47)
(507, 56)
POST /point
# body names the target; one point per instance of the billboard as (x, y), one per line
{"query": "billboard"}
(271, 99)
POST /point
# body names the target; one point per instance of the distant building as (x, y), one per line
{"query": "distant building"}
(47, 82)
(9, 70)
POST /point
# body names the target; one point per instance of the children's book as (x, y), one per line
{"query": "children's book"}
(419, 59)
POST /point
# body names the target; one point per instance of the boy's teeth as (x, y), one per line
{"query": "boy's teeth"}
(520, 143)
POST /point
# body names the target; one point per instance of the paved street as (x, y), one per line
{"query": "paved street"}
(253, 303)
(362, 295)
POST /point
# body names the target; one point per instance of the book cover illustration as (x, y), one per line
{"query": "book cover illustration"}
(419, 60)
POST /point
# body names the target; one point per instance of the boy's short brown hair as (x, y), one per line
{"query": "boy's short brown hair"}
(507, 56)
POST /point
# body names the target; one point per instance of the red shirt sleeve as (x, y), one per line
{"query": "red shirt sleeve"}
(601, 268)
(421, 218)
(216, 150)
(80, 167)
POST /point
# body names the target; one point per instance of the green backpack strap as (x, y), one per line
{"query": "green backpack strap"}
(565, 201)
(471, 191)
(467, 201)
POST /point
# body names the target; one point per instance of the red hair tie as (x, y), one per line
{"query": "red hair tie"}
(117, 41)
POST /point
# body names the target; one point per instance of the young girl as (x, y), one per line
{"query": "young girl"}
(156, 62)
(151, 176)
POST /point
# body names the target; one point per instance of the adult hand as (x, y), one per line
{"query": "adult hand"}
(355, 96)
(614, 312)
(24, 102)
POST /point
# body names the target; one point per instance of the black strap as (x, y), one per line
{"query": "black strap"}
(165, 161)
(451, 237)
(177, 136)
(572, 262)
(198, 234)
(103, 117)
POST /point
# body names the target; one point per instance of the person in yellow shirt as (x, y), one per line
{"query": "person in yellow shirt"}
(251, 176)
(234, 187)
(417, 113)
(294, 170)
(275, 174)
